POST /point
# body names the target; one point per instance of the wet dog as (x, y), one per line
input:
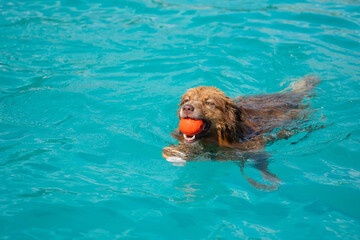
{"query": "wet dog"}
(246, 123)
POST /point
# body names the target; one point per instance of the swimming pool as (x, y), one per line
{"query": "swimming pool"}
(88, 96)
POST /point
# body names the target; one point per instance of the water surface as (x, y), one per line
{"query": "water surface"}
(88, 96)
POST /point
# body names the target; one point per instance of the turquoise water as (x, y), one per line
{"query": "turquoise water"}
(88, 96)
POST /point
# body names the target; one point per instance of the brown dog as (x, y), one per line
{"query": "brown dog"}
(244, 123)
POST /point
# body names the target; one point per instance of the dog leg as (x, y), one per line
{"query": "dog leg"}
(260, 163)
(258, 185)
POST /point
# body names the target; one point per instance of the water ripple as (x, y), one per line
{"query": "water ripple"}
(88, 97)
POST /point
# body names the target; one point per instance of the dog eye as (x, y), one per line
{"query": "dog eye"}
(208, 102)
(184, 101)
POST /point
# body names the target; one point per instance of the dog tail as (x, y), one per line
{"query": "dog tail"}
(304, 85)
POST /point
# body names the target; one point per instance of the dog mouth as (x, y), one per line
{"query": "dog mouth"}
(197, 136)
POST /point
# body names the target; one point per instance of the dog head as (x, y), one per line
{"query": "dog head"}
(221, 116)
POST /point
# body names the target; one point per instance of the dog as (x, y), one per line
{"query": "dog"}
(245, 124)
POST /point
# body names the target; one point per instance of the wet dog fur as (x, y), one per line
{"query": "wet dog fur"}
(240, 123)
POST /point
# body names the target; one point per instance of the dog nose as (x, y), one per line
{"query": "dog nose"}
(188, 108)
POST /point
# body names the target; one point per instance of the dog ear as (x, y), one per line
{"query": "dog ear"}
(237, 121)
(233, 113)
(232, 129)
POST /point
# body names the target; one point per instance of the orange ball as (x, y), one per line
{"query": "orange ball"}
(190, 126)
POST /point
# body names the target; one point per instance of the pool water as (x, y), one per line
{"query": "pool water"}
(88, 96)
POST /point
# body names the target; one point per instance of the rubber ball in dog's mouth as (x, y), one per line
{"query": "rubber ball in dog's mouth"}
(190, 127)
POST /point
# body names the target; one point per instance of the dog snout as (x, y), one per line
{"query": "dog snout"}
(188, 108)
